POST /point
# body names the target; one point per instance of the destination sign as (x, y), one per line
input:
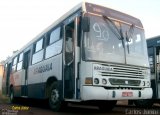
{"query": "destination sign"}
(113, 14)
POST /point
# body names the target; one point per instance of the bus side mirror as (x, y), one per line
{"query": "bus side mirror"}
(86, 24)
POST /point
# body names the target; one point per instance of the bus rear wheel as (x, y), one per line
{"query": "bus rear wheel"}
(55, 102)
(107, 106)
(144, 103)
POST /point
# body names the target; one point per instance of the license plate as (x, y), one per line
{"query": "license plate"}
(127, 94)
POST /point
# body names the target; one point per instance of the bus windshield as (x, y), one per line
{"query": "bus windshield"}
(113, 41)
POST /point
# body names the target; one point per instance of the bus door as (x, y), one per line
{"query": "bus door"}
(154, 60)
(25, 67)
(70, 63)
(158, 70)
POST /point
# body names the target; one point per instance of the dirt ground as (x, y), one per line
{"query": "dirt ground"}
(38, 107)
(3, 99)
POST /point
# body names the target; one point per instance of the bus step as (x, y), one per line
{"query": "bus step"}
(73, 100)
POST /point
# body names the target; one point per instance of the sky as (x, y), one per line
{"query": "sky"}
(22, 20)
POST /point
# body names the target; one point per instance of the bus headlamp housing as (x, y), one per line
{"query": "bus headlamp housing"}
(104, 81)
(143, 83)
(96, 80)
(146, 83)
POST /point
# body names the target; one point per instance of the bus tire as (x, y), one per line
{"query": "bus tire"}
(144, 103)
(55, 102)
(11, 97)
(107, 106)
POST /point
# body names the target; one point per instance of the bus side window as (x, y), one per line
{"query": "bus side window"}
(54, 43)
(14, 64)
(69, 43)
(38, 51)
(20, 61)
(55, 35)
(39, 45)
(151, 64)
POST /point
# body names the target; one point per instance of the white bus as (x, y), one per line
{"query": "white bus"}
(91, 54)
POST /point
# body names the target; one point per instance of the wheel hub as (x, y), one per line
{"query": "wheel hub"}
(54, 96)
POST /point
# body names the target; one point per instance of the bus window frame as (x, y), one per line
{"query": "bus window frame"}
(53, 30)
(14, 64)
(20, 61)
(42, 45)
(47, 40)
(36, 52)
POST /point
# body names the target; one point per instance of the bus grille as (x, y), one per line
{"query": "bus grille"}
(124, 82)
(115, 70)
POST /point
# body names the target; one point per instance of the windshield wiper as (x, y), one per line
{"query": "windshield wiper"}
(117, 31)
(129, 35)
(114, 28)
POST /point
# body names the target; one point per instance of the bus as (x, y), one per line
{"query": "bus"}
(1, 74)
(92, 54)
(153, 45)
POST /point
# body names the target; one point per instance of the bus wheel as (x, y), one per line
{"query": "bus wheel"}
(107, 106)
(144, 103)
(54, 97)
(12, 98)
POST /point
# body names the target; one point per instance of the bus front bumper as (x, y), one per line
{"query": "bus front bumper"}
(100, 93)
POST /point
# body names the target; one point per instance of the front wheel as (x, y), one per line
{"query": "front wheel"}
(106, 106)
(144, 103)
(55, 103)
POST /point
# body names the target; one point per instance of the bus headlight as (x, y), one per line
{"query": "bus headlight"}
(96, 80)
(143, 83)
(104, 81)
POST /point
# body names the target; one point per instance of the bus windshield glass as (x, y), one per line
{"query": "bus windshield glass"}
(113, 41)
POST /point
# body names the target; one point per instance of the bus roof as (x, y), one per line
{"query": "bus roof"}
(91, 8)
